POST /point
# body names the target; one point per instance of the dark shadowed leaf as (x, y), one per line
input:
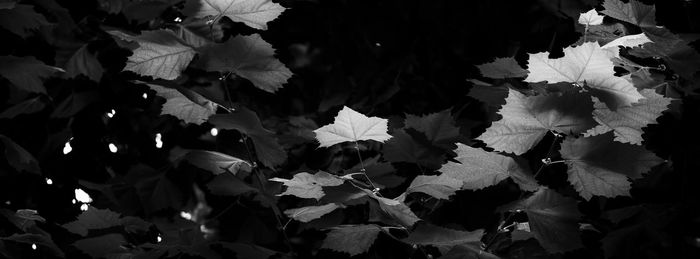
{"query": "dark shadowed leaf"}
(502, 68)
(215, 162)
(351, 239)
(19, 158)
(21, 19)
(26, 73)
(443, 238)
(83, 62)
(309, 213)
(28, 106)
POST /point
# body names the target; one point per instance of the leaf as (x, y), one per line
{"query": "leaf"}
(441, 187)
(190, 107)
(254, 13)
(305, 185)
(478, 169)
(84, 63)
(633, 12)
(250, 57)
(501, 68)
(306, 214)
(586, 63)
(627, 122)
(197, 33)
(351, 239)
(625, 41)
(22, 20)
(216, 163)
(600, 166)
(245, 121)
(75, 103)
(443, 238)
(526, 119)
(102, 246)
(680, 56)
(553, 220)
(438, 127)
(28, 106)
(397, 211)
(403, 148)
(160, 54)
(26, 72)
(590, 18)
(93, 219)
(18, 157)
(352, 126)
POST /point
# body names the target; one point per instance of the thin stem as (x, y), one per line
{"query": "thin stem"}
(585, 33)
(546, 161)
(363, 170)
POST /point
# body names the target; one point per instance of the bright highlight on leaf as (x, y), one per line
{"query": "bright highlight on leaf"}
(214, 132)
(186, 215)
(590, 18)
(159, 239)
(305, 185)
(478, 169)
(82, 196)
(352, 126)
(589, 65)
(49, 181)
(67, 148)
(144, 96)
(627, 122)
(33, 246)
(84, 207)
(526, 120)
(254, 13)
(113, 148)
(111, 113)
(160, 54)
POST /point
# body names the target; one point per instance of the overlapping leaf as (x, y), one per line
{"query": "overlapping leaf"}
(526, 119)
(250, 57)
(627, 122)
(216, 163)
(502, 68)
(254, 13)
(590, 18)
(185, 104)
(21, 19)
(633, 12)
(600, 166)
(443, 238)
(351, 126)
(305, 185)
(553, 220)
(245, 121)
(94, 219)
(351, 239)
(83, 62)
(18, 157)
(160, 54)
(26, 72)
(478, 169)
(309, 213)
(588, 64)
(438, 186)
(438, 128)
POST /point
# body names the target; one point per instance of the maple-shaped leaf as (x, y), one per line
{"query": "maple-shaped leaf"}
(501, 68)
(589, 64)
(600, 166)
(22, 20)
(438, 127)
(633, 12)
(305, 185)
(26, 72)
(250, 57)
(28, 106)
(438, 186)
(160, 54)
(254, 13)
(83, 62)
(245, 121)
(19, 158)
(627, 122)
(216, 163)
(590, 18)
(351, 239)
(478, 169)
(526, 119)
(625, 41)
(352, 126)
(185, 104)
(309, 213)
(553, 220)
(93, 219)
(443, 238)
